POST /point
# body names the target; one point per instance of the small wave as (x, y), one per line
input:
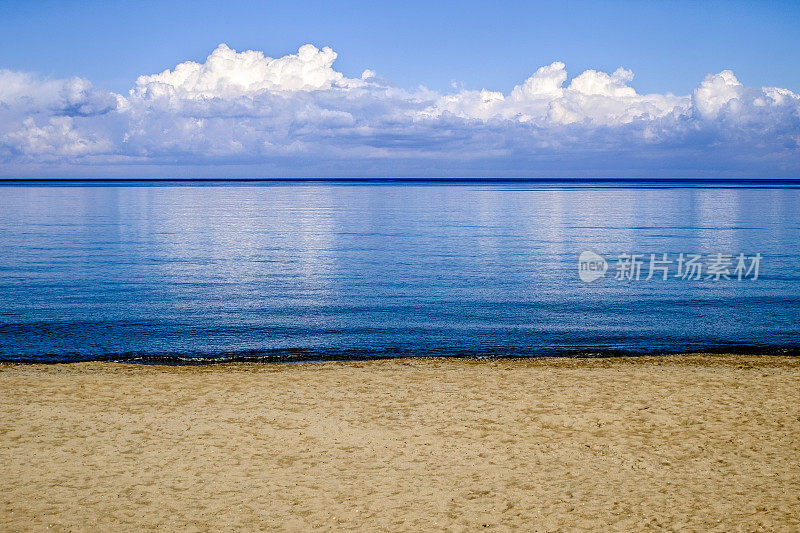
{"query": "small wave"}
(301, 355)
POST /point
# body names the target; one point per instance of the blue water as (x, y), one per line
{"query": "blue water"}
(310, 271)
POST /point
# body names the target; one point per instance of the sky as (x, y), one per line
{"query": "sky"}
(529, 89)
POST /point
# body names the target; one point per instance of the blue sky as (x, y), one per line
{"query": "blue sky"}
(53, 124)
(670, 46)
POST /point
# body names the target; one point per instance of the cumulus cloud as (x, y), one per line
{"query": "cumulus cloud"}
(297, 114)
(78, 97)
(592, 97)
(25, 92)
(228, 74)
(54, 138)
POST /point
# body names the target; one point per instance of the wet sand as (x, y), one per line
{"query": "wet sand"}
(683, 442)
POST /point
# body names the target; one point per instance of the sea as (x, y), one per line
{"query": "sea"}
(193, 271)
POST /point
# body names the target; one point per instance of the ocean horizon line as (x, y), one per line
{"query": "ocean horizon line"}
(746, 182)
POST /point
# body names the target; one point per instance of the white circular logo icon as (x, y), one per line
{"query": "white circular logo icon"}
(591, 266)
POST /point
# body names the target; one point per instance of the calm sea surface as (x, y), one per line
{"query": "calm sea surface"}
(310, 271)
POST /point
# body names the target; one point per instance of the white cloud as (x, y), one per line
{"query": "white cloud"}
(23, 89)
(297, 113)
(593, 97)
(717, 91)
(54, 138)
(25, 92)
(227, 73)
(78, 97)
(545, 83)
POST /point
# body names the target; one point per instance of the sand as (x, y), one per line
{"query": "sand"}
(677, 443)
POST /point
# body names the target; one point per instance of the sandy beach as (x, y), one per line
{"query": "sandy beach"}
(683, 442)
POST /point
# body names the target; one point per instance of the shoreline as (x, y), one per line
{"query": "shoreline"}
(173, 360)
(691, 441)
